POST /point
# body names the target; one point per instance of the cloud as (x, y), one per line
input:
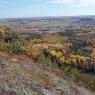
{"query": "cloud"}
(74, 3)
(86, 3)
(61, 1)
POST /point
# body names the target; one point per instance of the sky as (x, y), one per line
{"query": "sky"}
(40, 8)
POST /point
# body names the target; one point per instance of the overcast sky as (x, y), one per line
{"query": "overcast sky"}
(38, 8)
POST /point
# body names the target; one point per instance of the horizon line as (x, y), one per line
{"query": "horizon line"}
(46, 16)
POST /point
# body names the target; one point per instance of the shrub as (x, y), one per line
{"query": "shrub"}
(46, 61)
(90, 84)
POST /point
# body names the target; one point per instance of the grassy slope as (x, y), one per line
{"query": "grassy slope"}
(19, 75)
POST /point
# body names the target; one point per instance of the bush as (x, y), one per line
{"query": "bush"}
(46, 61)
(11, 47)
(15, 48)
(90, 84)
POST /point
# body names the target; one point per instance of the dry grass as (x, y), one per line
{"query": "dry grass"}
(20, 76)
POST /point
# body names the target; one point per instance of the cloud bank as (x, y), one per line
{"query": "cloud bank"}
(74, 3)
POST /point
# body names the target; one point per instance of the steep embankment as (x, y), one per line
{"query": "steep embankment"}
(19, 75)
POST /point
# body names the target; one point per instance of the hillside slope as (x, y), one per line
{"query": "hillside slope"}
(19, 75)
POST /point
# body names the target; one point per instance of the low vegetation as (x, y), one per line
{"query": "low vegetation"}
(64, 57)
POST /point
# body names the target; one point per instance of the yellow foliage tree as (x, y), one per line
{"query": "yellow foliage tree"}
(61, 59)
(31, 51)
(53, 53)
